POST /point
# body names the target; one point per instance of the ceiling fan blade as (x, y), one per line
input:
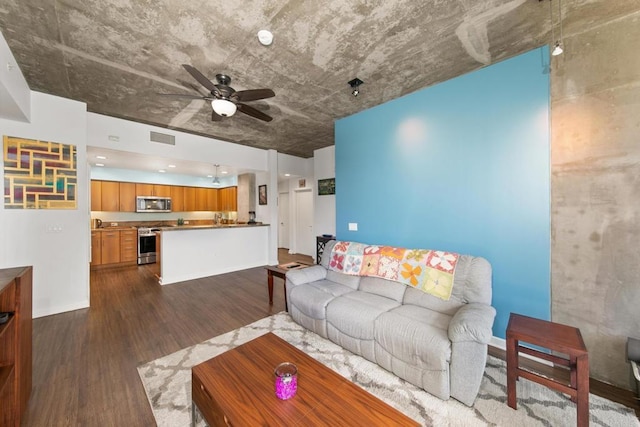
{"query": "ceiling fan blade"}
(180, 95)
(200, 78)
(253, 94)
(253, 112)
(215, 117)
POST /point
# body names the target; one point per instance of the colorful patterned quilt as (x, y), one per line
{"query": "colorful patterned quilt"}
(430, 271)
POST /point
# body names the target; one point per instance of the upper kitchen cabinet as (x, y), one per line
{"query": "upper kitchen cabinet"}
(96, 195)
(212, 199)
(201, 199)
(177, 198)
(110, 196)
(127, 197)
(156, 190)
(189, 199)
(228, 199)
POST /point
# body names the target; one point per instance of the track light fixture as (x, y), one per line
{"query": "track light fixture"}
(557, 49)
(355, 86)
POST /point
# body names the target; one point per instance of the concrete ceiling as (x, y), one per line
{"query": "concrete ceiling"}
(116, 55)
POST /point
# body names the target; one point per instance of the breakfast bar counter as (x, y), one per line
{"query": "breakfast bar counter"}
(194, 251)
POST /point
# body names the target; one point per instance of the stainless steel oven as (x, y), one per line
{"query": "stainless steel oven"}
(146, 245)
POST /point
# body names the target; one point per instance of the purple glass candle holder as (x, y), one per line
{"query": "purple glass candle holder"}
(286, 381)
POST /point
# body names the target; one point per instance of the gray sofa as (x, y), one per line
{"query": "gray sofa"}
(440, 346)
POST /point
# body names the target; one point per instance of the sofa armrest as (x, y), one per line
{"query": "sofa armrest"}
(306, 275)
(472, 322)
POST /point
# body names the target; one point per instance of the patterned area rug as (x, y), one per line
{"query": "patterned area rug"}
(167, 382)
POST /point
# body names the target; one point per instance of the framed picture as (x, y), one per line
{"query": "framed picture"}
(302, 183)
(262, 194)
(326, 186)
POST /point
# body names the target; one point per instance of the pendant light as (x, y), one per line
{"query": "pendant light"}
(216, 180)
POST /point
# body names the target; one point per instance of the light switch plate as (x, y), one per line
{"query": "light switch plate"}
(353, 226)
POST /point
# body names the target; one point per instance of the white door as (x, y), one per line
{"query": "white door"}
(283, 218)
(305, 242)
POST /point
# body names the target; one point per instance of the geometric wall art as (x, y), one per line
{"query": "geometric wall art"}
(39, 174)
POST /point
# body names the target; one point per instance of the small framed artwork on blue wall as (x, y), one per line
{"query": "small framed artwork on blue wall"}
(326, 186)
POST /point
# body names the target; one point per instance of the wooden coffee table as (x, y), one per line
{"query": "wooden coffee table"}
(236, 388)
(275, 270)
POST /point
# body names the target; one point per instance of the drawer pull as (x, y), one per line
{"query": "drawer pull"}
(206, 393)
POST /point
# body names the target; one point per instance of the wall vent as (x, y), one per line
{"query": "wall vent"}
(163, 138)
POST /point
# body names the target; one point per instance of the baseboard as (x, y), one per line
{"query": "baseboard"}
(501, 343)
(60, 309)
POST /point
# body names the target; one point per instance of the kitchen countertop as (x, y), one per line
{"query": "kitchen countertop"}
(113, 228)
(204, 227)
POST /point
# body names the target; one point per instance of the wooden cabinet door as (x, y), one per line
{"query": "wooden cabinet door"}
(212, 199)
(127, 197)
(161, 190)
(177, 198)
(189, 199)
(96, 195)
(110, 247)
(201, 198)
(96, 248)
(144, 189)
(233, 198)
(110, 196)
(128, 245)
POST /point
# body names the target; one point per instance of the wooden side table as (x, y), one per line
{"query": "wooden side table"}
(276, 270)
(556, 337)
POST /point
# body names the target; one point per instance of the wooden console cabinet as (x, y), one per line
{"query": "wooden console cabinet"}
(15, 344)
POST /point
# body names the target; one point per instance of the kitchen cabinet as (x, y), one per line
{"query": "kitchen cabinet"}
(177, 198)
(212, 199)
(228, 199)
(201, 198)
(16, 338)
(129, 246)
(110, 247)
(189, 199)
(144, 189)
(96, 195)
(127, 197)
(96, 248)
(110, 196)
(160, 190)
(156, 190)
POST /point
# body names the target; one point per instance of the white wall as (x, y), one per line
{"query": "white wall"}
(324, 166)
(60, 260)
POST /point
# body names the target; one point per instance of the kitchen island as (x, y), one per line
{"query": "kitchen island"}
(191, 252)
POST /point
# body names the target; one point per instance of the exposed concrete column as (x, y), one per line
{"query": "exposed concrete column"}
(595, 165)
(272, 203)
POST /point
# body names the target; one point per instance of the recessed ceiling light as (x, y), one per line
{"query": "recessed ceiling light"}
(101, 157)
(265, 37)
(100, 164)
(161, 170)
(224, 172)
(209, 176)
(172, 166)
(287, 174)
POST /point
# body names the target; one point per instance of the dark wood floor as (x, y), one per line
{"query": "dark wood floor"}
(85, 361)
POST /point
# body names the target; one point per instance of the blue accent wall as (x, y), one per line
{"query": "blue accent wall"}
(461, 166)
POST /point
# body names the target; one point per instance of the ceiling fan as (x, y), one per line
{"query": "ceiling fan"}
(224, 99)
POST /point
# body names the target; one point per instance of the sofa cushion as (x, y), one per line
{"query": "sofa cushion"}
(326, 253)
(354, 313)
(383, 287)
(312, 298)
(471, 283)
(344, 279)
(415, 335)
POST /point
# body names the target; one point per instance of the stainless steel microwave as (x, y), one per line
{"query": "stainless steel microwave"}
(153, 204)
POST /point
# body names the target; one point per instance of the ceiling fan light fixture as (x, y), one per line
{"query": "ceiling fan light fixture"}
(223, 107)
(355, 86)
